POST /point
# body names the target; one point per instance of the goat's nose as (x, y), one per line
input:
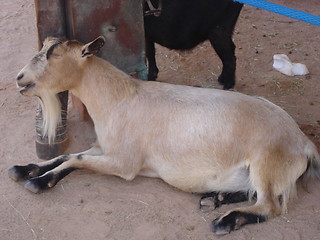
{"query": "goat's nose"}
(20, 76)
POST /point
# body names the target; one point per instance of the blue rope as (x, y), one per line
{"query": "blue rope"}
(289, 12)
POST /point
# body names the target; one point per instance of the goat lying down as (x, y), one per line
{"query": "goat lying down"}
(223, 144)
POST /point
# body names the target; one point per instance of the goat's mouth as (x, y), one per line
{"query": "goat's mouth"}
(25, 87)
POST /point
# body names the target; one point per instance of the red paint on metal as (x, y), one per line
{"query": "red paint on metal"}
(99, 17)
(123, 32)
(126, 37)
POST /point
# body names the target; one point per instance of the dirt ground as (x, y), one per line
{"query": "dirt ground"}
(87, 205)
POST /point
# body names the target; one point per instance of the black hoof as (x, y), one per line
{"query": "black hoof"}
(18, 173)
(234, 220)
(220, 230)
(152, 78)
(47, 180)
(153, 75)
(213, 200)
(227, 83)
(209, 201)
(41, 183)
(227, 87)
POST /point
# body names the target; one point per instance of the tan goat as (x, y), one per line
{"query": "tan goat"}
(198, 140)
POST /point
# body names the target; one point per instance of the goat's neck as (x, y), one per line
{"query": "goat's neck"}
(103, 86)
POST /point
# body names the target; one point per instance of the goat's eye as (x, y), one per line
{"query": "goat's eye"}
(50, 50)
(56, 56)
(49, 53)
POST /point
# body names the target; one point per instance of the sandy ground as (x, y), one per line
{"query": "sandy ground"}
(86, 205)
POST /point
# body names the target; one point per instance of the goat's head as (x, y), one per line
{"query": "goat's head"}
(57, 67)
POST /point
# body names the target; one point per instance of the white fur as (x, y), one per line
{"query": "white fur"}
(51, 113)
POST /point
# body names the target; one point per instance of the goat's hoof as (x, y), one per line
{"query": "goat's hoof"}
(226, 82)
(208, 203)
(227, 87)
(15, 174)
(18, 173)
(234, 220)
(152, 78)
(32, 187)
(153, 75)
(41, 183)
(211, 201)
(221, 228)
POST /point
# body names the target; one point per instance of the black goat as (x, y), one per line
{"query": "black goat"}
(183, 24)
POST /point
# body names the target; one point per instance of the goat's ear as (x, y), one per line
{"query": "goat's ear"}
(93, 47)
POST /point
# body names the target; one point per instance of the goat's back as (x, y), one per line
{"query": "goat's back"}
(204, 132)
(207, 120)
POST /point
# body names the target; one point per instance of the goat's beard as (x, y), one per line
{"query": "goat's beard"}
(51, 114)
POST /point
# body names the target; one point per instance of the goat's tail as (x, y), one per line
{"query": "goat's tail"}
(313, 167)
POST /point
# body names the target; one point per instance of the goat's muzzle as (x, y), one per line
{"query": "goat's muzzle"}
(24, 87)
(23, 84)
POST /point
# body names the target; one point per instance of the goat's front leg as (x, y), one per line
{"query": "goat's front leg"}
(25, 172)
(99, 163)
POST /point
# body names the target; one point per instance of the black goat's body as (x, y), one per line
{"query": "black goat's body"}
(183, 24)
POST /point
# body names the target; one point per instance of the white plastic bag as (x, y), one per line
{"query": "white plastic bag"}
(282, 63)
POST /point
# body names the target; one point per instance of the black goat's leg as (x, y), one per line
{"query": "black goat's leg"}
(221, 40)
(222, 43)
(152, 65)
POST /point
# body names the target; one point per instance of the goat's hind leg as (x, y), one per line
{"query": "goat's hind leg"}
(235, 219)
(267, 205)
(213, 200)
